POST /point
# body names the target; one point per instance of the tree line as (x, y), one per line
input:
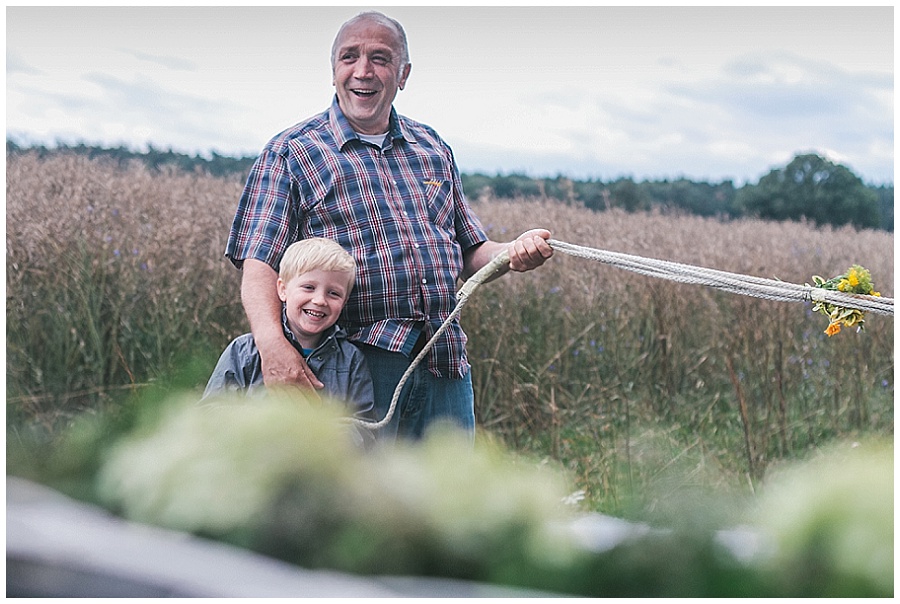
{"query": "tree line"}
(809, 187)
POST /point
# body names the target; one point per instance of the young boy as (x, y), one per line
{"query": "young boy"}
(315, 279)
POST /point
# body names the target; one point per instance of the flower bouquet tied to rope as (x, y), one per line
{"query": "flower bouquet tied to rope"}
(856, 280)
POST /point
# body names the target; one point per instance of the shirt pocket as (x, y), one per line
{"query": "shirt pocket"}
(436, 191)
(342, 209)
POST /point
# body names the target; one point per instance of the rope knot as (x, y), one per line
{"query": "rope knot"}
(815, 294)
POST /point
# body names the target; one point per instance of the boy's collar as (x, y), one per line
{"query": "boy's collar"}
(327, 335)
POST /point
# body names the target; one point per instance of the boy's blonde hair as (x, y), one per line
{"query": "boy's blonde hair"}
(316, 253)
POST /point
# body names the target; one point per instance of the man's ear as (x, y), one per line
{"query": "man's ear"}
(405, 75)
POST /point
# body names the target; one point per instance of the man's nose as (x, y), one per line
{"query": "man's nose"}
(362, 68)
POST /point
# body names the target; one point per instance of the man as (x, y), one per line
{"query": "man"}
(387, 189)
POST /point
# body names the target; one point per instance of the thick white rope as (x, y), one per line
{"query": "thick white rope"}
(768, 289)
(462, 296)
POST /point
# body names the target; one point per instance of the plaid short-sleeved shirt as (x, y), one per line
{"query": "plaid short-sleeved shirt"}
(400, 210)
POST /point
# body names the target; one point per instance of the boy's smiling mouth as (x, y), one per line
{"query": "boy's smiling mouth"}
(314, 313)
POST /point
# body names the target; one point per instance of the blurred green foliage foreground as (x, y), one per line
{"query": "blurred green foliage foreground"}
(282, 478)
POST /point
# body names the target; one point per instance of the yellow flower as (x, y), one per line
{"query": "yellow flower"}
(857, 280)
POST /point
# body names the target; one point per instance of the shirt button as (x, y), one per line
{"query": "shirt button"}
(416, 245)
(424, 281)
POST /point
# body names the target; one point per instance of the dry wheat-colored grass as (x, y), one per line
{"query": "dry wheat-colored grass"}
(589, 359)
(111, 273)
(115, 274)
(789, 251)
(171, 226)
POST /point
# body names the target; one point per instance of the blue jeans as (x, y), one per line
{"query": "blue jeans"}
(423, 400)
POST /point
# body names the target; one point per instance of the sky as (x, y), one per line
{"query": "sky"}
(706, 93)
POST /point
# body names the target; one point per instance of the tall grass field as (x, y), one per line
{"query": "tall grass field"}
(116, 279)
(642, 390)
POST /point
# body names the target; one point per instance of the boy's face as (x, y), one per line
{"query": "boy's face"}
(314, 301)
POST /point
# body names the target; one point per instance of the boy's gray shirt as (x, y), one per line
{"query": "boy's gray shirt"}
(336, 361)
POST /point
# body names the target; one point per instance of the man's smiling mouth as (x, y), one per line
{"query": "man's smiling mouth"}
(364, 93)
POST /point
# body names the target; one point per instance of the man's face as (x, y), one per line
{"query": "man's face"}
(367, 75)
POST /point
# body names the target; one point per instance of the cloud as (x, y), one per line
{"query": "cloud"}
(175, 63)
(655, 92)
(784, 86)
(16, 64)
(748, 115)
(43, 100)
(182, 120)
(110, 110)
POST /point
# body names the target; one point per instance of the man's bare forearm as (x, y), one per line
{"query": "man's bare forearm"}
(261, 302)
(281, 363)
(526, 252)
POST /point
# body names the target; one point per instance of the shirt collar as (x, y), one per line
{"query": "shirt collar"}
(344, 132)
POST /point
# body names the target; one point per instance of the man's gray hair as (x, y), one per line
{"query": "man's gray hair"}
(381, 19)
